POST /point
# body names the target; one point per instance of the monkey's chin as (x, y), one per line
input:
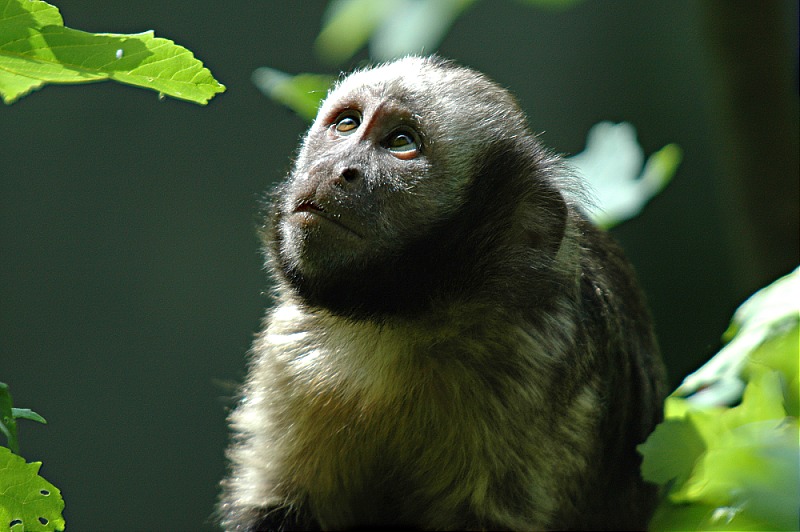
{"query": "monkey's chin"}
(316, 244)
(328, 226)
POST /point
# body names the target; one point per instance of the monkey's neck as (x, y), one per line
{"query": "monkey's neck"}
(386, 359)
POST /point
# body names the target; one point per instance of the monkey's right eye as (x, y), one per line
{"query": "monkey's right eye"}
(347, 123)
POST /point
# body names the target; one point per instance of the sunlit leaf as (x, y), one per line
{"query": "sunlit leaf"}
(301, 93)
(36, 48)
(8, 425)
(768, 306)
(755, 468)
(781, 353)
(739, 466)
(747, 473)
(670, 452)
(613, 167)
(27, 501)
(702, 517)
(771, 313)
(394, 28)
(419, 30)
(9, 416)
(348, 25)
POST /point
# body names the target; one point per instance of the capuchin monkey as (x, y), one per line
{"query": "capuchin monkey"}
(453, 345)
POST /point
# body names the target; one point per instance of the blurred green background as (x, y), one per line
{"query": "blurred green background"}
(130, 276)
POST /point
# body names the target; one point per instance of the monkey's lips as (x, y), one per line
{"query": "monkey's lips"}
(312, 213)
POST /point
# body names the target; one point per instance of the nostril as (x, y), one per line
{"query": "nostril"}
(350, 174)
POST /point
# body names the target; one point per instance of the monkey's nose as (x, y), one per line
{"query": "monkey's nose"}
(350, 174)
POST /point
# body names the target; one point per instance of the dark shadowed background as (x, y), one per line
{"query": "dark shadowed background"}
(130, 276)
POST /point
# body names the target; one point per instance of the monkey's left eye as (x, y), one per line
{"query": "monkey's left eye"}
(403, 143)
(347, 123)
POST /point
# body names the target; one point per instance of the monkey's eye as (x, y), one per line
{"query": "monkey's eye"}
(347, 123)
(403, 143)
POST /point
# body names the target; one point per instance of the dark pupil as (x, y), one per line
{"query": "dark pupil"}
(401, 140)
(346, 124)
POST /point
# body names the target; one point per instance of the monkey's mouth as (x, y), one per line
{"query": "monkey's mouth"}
(312, 212)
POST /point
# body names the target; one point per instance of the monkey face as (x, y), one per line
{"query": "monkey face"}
(368, 178)
(405, 167)
(351, 196)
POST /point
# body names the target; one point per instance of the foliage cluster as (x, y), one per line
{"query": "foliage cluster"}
(728, 453)
(27, 501)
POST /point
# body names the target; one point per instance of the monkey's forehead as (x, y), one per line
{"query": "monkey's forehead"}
(406, 78)
(411, 66)
(429, 85)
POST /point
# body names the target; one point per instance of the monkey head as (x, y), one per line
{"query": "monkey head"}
(411, 173)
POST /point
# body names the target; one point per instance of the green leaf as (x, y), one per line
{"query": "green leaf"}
(683, 517)
(348, 25)
(301, 93)
(754, 469)
(727, 468)
(8, 424)
(612, 164)
(27, 413)
(660, 168)
(27, 501)
(393, 29)
(762, 332)
(36, 48)
(419, 30)
(746, 475)
(671, 451)
(780, 352)
(768, 307)
(9, 415)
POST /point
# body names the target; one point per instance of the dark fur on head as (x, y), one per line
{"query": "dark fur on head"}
(454, 345)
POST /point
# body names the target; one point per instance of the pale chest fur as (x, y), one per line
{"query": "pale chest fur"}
(399, 416)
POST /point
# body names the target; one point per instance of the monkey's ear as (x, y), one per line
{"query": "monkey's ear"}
(518, 172)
